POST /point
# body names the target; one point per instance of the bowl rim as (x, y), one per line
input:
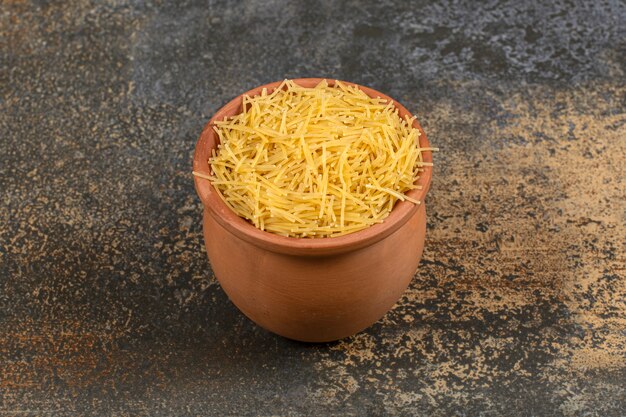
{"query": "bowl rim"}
(238, 226)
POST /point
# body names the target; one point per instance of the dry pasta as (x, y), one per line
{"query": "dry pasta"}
(315, 162)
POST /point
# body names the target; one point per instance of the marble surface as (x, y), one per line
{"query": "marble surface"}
(108, 305)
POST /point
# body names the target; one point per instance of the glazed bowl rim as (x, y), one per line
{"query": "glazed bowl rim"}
(217, 208)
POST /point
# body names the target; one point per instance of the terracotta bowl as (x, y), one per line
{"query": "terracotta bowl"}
(313, 290)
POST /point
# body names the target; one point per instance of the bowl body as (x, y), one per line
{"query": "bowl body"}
(315, 298)
(313, 290)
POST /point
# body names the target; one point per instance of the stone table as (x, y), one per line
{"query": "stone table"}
(108, 305)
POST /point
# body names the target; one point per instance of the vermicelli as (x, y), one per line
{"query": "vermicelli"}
(315, 162)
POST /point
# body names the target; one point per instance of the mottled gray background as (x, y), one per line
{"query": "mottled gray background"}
(108, 305)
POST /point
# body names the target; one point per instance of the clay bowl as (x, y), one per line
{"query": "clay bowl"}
(313, 290)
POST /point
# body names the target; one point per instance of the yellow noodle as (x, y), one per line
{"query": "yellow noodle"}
(315, 162)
